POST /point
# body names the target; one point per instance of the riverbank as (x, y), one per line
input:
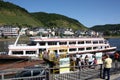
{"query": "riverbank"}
(14, 38)
(111, 36)
(26, 38)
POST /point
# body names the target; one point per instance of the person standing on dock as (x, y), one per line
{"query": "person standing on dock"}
(72, 63)
(116, 58)
(86, 60)
(107, 66)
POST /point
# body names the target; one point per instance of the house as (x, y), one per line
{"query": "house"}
(9, 31)
(23, 32)
(80, 33)
(69, 33)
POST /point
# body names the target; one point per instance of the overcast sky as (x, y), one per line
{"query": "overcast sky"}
(88, 12)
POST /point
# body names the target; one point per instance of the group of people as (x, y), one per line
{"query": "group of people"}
(82, 62)
(107, 62)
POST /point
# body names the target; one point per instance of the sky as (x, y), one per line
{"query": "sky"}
(87, 12)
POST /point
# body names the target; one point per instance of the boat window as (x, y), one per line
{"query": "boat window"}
(42, 43)
(52, 43)
(17, 52)
(63, 43)
(100, 41)
(32, 43)
(72, 42)
(88, 48)
(63, 50)
(81, 49)
(105, 47)
(95, 47)
(88, 42)
(95, 42)
(41, 50)
(55, 51)
(80, 42)
(30, 52)
(72, 49)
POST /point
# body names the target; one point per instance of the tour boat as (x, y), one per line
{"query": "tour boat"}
(68, 45)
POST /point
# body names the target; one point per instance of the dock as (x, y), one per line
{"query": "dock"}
(77, 74)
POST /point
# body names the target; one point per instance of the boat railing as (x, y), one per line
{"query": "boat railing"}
(66, 37)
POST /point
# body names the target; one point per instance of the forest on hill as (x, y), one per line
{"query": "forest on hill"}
(108, 29)
(57, 20)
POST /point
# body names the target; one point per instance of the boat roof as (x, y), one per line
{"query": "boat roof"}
(64, 38)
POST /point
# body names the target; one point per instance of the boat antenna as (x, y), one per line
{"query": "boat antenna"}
(18, 37)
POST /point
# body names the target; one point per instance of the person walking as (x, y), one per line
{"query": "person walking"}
(107, 66)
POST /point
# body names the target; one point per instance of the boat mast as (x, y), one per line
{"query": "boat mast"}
(18, 38)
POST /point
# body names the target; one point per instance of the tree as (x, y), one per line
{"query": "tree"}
(107, 33)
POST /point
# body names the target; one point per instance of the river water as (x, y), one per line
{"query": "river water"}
(115, 42)
(4, 44)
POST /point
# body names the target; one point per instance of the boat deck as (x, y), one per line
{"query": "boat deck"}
(8, 57)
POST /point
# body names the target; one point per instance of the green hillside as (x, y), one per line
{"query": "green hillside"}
(57, 20)
(11, 14)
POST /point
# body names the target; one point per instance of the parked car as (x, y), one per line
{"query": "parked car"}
(32, 71)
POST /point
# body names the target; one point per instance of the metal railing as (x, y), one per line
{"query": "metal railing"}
(75, 73)
(24, 74)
